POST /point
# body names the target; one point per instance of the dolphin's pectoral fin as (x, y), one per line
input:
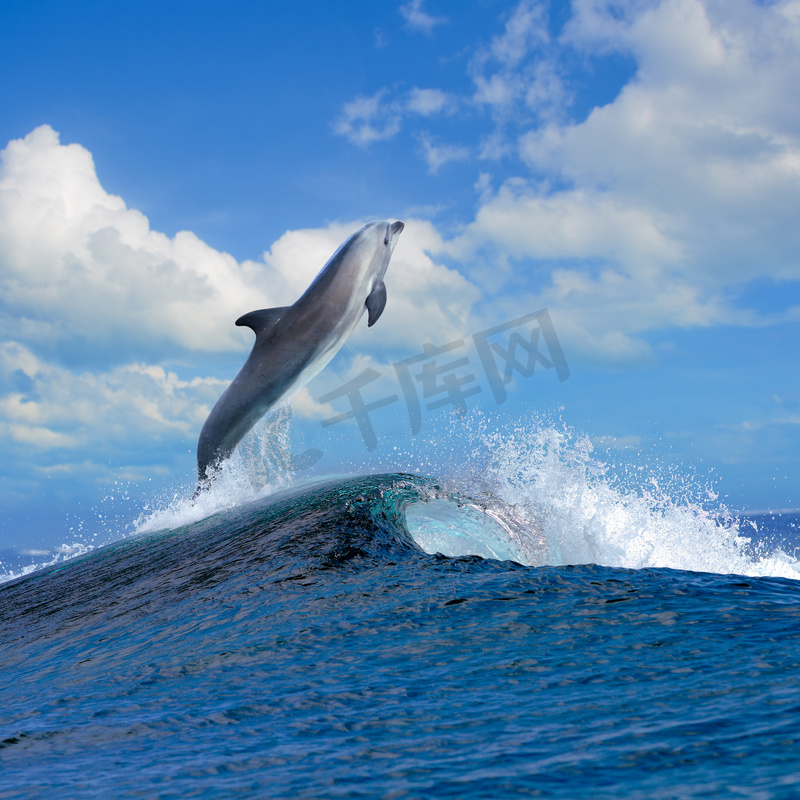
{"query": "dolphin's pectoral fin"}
(376, 302)
(263, 319)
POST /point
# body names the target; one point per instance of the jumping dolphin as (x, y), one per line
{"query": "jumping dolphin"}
(294, 343)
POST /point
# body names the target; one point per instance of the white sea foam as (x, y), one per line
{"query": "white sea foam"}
(46, 558)
(634, 517)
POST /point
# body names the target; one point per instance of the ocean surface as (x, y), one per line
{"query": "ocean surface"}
(537, 628)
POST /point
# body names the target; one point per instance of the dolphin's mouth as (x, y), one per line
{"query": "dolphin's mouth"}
(393, 230)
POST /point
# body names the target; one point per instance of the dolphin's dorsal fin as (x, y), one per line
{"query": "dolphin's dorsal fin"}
(376, 302)
(262, 320)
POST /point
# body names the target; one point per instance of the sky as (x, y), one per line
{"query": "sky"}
(630, 167)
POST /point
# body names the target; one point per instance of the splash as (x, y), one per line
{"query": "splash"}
(62, 553)
(259, 466)
(632, 519)
(539, 496)
(535, 492)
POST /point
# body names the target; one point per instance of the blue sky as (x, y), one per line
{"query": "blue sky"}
(633, 167)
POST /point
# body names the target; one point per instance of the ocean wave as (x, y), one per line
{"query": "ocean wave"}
(536, 494)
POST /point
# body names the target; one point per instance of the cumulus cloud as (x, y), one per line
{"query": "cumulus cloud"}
(517, 76)
(52, 408)
(648, 212)
(659, 207)
(369, 119)
(428, 102)
(700, 152)
(77, 265)
(365, 120)
(418, 19)
(438, 154)
(93, 302)
(80, 270)
(703, 136)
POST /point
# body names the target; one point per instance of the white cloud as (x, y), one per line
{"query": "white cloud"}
(529, 223)
(428, 102)
(703, 136)
(377, 118)
(418, 19)
(39, 437)
(304, 405)
(684, 187)
(368, 119)
(517, 76)
(656, 209)
(525, 30)
(648, 213)
(437, 155)
(79, 269)
(60, 409)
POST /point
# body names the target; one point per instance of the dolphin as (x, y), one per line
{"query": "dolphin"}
(294, 343)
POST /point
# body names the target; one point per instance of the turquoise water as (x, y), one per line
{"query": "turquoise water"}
(305, 645)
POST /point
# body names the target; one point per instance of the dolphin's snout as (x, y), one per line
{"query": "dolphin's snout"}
(393, 230)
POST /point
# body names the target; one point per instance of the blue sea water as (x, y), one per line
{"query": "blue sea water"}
(542, 630)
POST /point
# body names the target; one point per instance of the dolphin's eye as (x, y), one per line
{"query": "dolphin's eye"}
(386, 240)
